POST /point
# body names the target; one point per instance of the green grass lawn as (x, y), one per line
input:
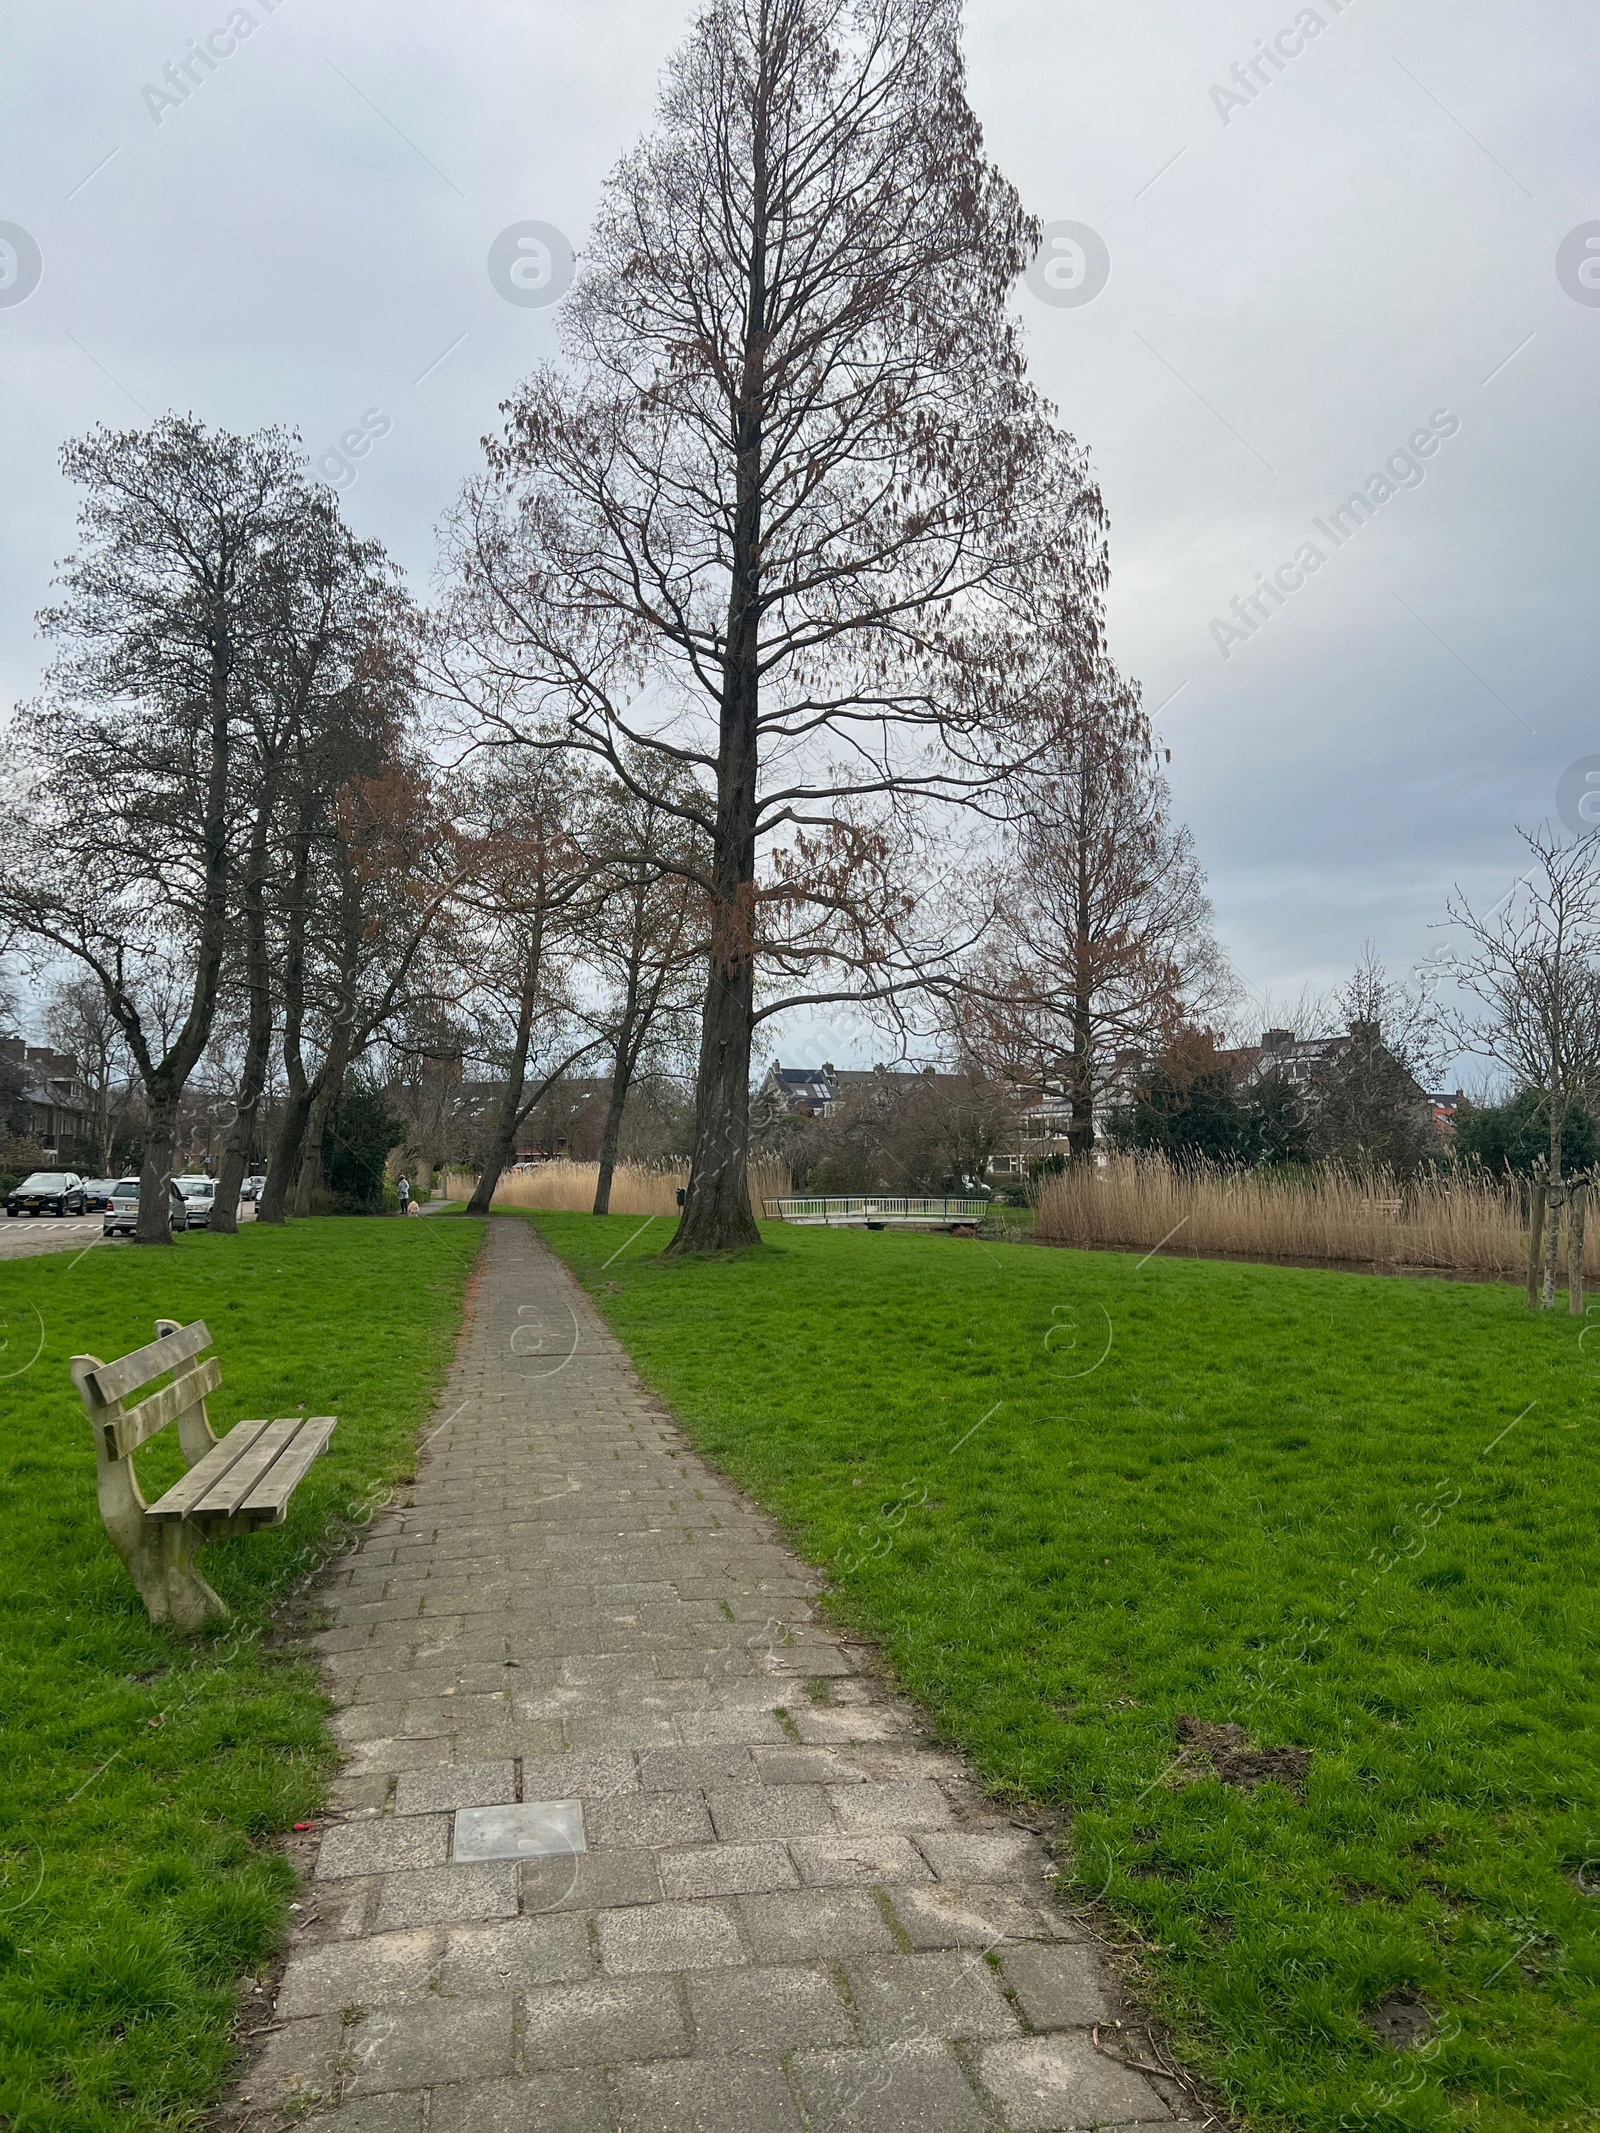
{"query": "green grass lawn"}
(1078, 1497)
(147, 1776)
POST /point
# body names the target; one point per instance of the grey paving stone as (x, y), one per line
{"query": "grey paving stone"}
(650, 1819)
(913, 2088)
(1009, 1856)
(1056, 2084)
(804, 1766)
(375, 1972)
(423, 2044)
(569, 2102)
(948, 1914)
(844, 1862)
(1056, 1988)
(668, 1936)
(400, 2111)
(588, 1775)
(731, 1726)
(421, 1792)
(863, 1807)
(789, 1926)
(727, 1870)
(446, 1895)
(820, 1723)
(604, 2022)
(591, 1881)
(751, 1814)
(381, 1847)
(510, 1954)
(943, 1993)
(768, 2010)
(389, 1754)
(711, 1769)
(705, 2096)
(298, 2062)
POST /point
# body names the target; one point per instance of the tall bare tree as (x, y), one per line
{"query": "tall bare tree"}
(1102, 942)
(138, 734)
(335, 614)
(782, 516)
(1531, 965)
(529, 883)
(645, 943)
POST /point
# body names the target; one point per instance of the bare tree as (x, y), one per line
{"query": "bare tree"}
(1102, 942)
(1532, 965)
(529, 882)
(79, 1019)
(781, 518)
(335, 613)
(137, 735)
(645, 942)
(382, 866)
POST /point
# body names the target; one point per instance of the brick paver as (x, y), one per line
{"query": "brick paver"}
(792, 1912)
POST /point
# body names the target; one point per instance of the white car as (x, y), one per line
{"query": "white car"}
(199, 1197)
(122, 1209)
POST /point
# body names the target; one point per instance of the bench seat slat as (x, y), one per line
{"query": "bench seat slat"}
(229, 1490)
(112, 1380)
(127, 1431)
(182, 1497)
(282, 1478)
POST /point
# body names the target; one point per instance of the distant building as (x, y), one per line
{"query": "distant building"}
(53, 1106)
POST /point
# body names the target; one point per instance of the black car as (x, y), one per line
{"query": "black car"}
(47, 1192)
(97, 1192)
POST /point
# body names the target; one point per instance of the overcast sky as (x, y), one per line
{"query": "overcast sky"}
(1306, 268)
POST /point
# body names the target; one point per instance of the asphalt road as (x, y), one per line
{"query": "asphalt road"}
(21, 1236)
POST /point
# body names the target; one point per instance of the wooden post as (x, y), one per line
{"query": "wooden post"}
(1579, 1201)
(1535, 1239)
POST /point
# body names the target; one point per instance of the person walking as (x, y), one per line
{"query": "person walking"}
(405, 1196)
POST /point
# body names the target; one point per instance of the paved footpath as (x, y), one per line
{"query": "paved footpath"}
(788, 1910)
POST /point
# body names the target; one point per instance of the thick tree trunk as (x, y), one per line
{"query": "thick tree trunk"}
(283, 1159)
(621, 1078)
(1577, 1216)
(312, 1176)
(258, 1038)
(155, 1177)
(716, 1212)
(1536, 1197)
(609, 1141)
(1552, 1242)
(501, 1147)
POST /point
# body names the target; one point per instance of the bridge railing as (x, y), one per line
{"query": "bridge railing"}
(861, 1210)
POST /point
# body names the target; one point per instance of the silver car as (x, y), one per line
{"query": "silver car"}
(122, 1209)
(199, 1197)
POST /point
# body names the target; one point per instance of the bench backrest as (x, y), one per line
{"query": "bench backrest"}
(120, 1429)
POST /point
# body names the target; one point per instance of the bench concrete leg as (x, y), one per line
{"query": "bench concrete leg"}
(159, 1553)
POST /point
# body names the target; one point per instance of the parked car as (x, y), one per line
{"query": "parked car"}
(47, 1192)
(122, 1210)
(252, 1188)
(97, 1193)
(199, 1197)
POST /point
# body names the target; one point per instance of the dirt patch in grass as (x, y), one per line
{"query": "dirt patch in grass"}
(1236, 1759)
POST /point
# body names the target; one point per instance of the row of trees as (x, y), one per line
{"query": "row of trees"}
(770, 651)
(767, 674)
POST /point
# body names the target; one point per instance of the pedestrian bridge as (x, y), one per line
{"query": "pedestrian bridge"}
(876, 1211)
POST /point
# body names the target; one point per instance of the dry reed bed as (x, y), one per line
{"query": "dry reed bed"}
(636, 1188)
(1469, 1226)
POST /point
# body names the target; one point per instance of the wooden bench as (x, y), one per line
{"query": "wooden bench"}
(234, 1483)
